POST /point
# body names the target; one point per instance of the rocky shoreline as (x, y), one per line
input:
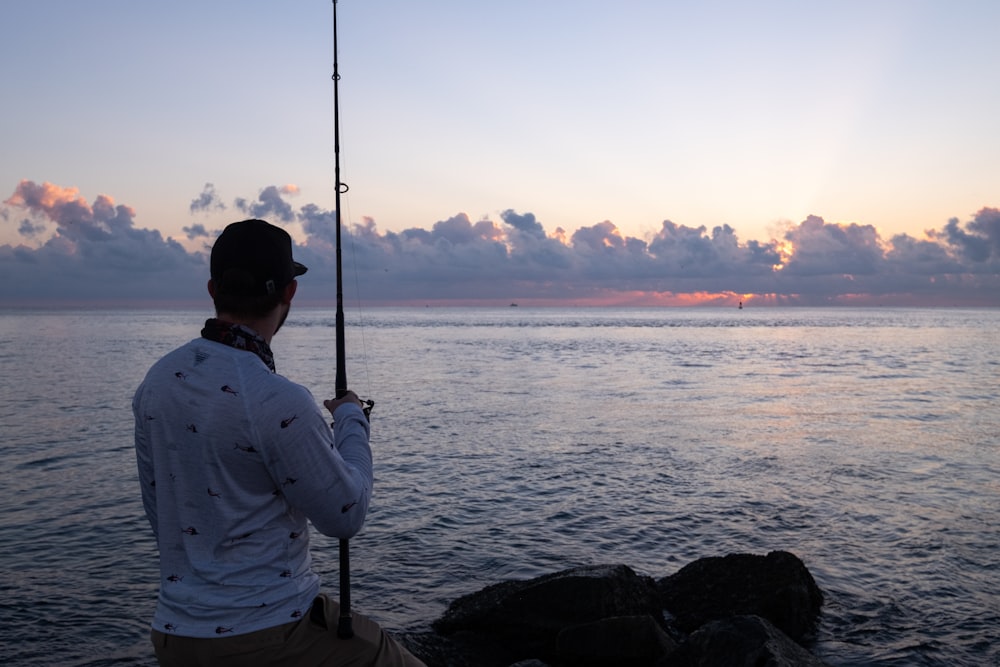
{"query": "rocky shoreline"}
(740, 609)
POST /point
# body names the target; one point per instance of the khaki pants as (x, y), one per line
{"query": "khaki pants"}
(302, 643)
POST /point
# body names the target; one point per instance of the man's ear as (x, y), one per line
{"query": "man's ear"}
(211, 288)
(289, 292)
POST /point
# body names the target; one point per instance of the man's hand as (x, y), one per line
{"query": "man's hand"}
(333, 403)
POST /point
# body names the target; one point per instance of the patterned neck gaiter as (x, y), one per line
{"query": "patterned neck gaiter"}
(239, 336)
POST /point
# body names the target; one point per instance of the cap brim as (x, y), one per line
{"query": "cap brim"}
(299, 269)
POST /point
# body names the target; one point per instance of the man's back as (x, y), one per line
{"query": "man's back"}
(232, 459)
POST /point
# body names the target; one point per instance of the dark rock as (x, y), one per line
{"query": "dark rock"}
(735, 610)
(777, 587)
(553, 601)
(462, 649)
(741, 641)
(622, 641)
(522, 619)
(437, 651)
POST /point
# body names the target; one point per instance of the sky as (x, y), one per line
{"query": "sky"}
(640, 152)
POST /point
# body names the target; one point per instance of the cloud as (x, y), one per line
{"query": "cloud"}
(690, 252)
(97, 253)
(30, 229)
(986, 225)
(196, 231)
(979, 241)
(525, 224)
(823, 249)
(208, 200)
(270, 204)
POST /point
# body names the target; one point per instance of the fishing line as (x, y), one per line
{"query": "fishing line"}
(359, 309)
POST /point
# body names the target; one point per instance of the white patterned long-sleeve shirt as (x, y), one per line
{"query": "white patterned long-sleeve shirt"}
(233, 459)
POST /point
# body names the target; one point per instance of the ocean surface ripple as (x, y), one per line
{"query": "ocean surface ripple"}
(516, 442)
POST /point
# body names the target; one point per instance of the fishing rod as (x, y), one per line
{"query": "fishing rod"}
(345, 629)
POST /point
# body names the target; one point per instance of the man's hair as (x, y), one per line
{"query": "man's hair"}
(247, 306)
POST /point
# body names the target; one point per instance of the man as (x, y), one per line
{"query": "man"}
(233, 459)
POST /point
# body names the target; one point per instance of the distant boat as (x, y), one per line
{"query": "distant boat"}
(513, 305)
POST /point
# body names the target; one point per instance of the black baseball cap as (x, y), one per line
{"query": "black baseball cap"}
(253, 258)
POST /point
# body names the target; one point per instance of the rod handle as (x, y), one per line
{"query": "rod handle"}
(345, 630)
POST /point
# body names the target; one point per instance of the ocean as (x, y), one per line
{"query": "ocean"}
(515, 442)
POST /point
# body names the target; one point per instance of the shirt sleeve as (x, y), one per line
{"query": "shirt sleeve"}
(327, 475)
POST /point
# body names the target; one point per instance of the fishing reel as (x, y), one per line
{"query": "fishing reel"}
(366, 407)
